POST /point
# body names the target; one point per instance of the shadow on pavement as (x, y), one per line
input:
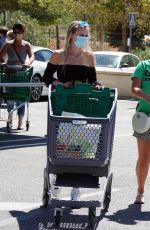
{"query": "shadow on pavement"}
(20, 140)
(130, 215)
(43, 219)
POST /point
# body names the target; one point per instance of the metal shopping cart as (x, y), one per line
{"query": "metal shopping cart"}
(81, 122)
(15, 75)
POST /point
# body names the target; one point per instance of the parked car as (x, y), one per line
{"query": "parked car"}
(117, 61)
(114, 70)
(42, 56)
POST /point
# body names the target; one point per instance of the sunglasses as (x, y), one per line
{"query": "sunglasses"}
(83, 24)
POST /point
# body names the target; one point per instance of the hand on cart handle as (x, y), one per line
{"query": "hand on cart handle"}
(25, 66)
(3, 65)
(97, 85)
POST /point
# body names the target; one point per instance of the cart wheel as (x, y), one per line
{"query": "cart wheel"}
(9, 127)
(92, 216)
(27, 125)
(107, 195)
(106, 203)
(57, 217)
(45, 197)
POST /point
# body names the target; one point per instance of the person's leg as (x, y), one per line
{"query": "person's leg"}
(10, 106)
(20, 113)
(142, 166)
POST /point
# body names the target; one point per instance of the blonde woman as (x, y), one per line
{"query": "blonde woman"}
(76, 63)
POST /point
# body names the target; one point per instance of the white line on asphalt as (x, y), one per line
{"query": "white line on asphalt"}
(7, 206)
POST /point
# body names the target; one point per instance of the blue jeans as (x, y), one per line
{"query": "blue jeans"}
(12, 103)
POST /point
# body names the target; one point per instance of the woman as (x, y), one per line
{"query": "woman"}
(17, 51)
(76, 63)
(141, 89)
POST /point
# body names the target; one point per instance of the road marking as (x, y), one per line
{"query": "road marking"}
(7, 206)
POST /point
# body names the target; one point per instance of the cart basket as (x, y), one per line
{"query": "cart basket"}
(11, 75)
(82, 99)
(76, 139)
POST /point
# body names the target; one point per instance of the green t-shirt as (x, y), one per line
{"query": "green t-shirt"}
(142, 72)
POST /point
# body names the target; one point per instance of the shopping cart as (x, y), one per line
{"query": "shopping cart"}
(15, 75)
(81, 122)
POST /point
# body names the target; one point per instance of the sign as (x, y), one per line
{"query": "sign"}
(132, 19)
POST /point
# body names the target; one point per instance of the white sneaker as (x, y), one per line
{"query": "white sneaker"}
(75, 194)
(54, 189)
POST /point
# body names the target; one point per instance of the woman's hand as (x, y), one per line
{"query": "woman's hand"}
(3, 65)
(25, 66)
(97, 85)
(68, 84)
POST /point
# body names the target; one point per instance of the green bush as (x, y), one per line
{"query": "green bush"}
(142, 54)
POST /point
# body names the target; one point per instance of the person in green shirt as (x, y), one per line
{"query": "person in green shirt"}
(141, 90)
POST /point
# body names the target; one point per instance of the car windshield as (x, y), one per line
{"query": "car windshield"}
(105, 60)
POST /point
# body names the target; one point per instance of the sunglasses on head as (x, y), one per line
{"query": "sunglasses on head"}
(83, 24)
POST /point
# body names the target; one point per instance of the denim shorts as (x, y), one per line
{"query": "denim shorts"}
(11, 104)
(144, 136)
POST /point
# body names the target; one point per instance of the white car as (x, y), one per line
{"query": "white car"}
(114, 70)
(42, 56)
(115, 61)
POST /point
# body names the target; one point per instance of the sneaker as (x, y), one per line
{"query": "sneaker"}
(54, 189)
(75, 194)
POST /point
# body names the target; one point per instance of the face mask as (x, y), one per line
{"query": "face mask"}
(81, 42)
(18, 36)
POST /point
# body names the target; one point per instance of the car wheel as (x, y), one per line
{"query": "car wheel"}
(36, 91)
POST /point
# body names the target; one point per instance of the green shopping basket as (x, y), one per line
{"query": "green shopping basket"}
(16, 76)
(82, 99)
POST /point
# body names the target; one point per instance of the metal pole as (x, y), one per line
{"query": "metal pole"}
(130, 40)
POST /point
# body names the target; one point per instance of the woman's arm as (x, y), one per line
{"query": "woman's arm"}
(3, 52)
(51, 68)
(137, 91)
(30, 55)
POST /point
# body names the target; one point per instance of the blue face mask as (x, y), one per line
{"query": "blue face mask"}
(81, 42)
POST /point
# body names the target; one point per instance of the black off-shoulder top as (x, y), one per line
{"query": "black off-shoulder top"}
(68, 72)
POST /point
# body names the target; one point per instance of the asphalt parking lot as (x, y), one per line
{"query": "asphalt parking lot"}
(23, 158)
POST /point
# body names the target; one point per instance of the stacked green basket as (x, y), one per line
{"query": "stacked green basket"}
(82, 99)
(16, 76)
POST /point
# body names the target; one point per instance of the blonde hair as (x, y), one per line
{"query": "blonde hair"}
(73, 27)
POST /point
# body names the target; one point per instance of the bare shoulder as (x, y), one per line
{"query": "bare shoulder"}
(27, 45)
(91, 58)
(56, 56)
